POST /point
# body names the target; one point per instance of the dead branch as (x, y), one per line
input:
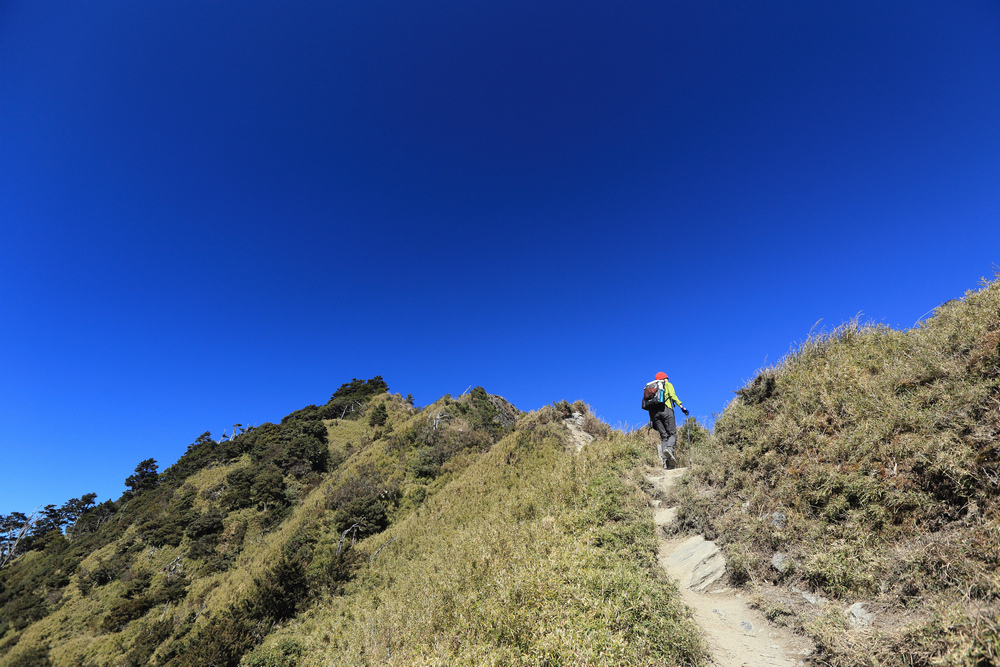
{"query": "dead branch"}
(11, 540)
(442, 415)
(355, 528)
(174, 565)
(382, 547)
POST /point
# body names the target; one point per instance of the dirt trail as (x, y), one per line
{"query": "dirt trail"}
(737, 635)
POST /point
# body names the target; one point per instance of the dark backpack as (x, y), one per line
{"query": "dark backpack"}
(652, 395)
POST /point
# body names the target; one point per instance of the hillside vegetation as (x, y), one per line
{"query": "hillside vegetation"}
(862, 468)
(361, 531)
(865, 467)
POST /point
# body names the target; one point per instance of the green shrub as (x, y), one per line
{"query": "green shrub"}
(276, 596)
(296, 446)
(36, 656)
(261, 485)
(236, 493)
(165, 526)
(146, 643)
(209, 523)
(125, 611)
(349, 401)
(367, 512)
(22, 609)
(378, 415)
(331, 569)
(285, 653)
(221, 643)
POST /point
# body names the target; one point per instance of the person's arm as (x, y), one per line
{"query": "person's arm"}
(672, 399)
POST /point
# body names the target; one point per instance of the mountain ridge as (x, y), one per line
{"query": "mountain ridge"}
(854, 489)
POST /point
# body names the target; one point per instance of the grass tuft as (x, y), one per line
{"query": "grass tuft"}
(869, 459)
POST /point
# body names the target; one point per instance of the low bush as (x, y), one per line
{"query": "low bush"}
(285, 653)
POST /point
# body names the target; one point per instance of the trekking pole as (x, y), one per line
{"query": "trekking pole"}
(690, 447)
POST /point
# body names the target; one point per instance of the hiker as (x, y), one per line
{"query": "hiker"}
(659, 398)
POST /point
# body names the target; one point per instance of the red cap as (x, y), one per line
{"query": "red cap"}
(661, 376)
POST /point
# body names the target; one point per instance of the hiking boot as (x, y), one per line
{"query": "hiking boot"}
(669, 462)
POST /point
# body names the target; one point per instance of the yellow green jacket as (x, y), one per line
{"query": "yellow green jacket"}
(670, 396)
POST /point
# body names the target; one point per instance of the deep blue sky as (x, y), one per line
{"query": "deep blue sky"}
(218, 212)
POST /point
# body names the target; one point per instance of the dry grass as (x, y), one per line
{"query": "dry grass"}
(517, 552)
(870, 458)
(531, 556)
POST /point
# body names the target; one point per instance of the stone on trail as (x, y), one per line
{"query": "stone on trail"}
(696, 563)
(665, 517)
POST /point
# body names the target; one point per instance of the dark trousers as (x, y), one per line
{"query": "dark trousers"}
(663, 422)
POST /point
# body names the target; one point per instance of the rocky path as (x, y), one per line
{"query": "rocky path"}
(737, 635)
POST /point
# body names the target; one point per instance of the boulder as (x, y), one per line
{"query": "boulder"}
(696, 563)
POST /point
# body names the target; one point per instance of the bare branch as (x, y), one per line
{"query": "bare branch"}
(355, 528)
(11, 538)
(442, 415)
(382, 547)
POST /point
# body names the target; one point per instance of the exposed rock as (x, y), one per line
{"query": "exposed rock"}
(782, 563)
(696, 563)
(858, 616)
(737, 635)
(810, 598)
(664, 517)
(779, 520)
(578, 437)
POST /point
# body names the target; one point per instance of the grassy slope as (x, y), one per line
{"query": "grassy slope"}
(532, 556)
(869, 457)
(515, 552)
(876, 448)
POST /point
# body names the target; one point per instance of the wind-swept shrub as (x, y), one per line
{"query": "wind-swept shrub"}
(367, 513)
(349, 401)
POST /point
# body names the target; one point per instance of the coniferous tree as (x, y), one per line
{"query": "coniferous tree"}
(145, 477)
